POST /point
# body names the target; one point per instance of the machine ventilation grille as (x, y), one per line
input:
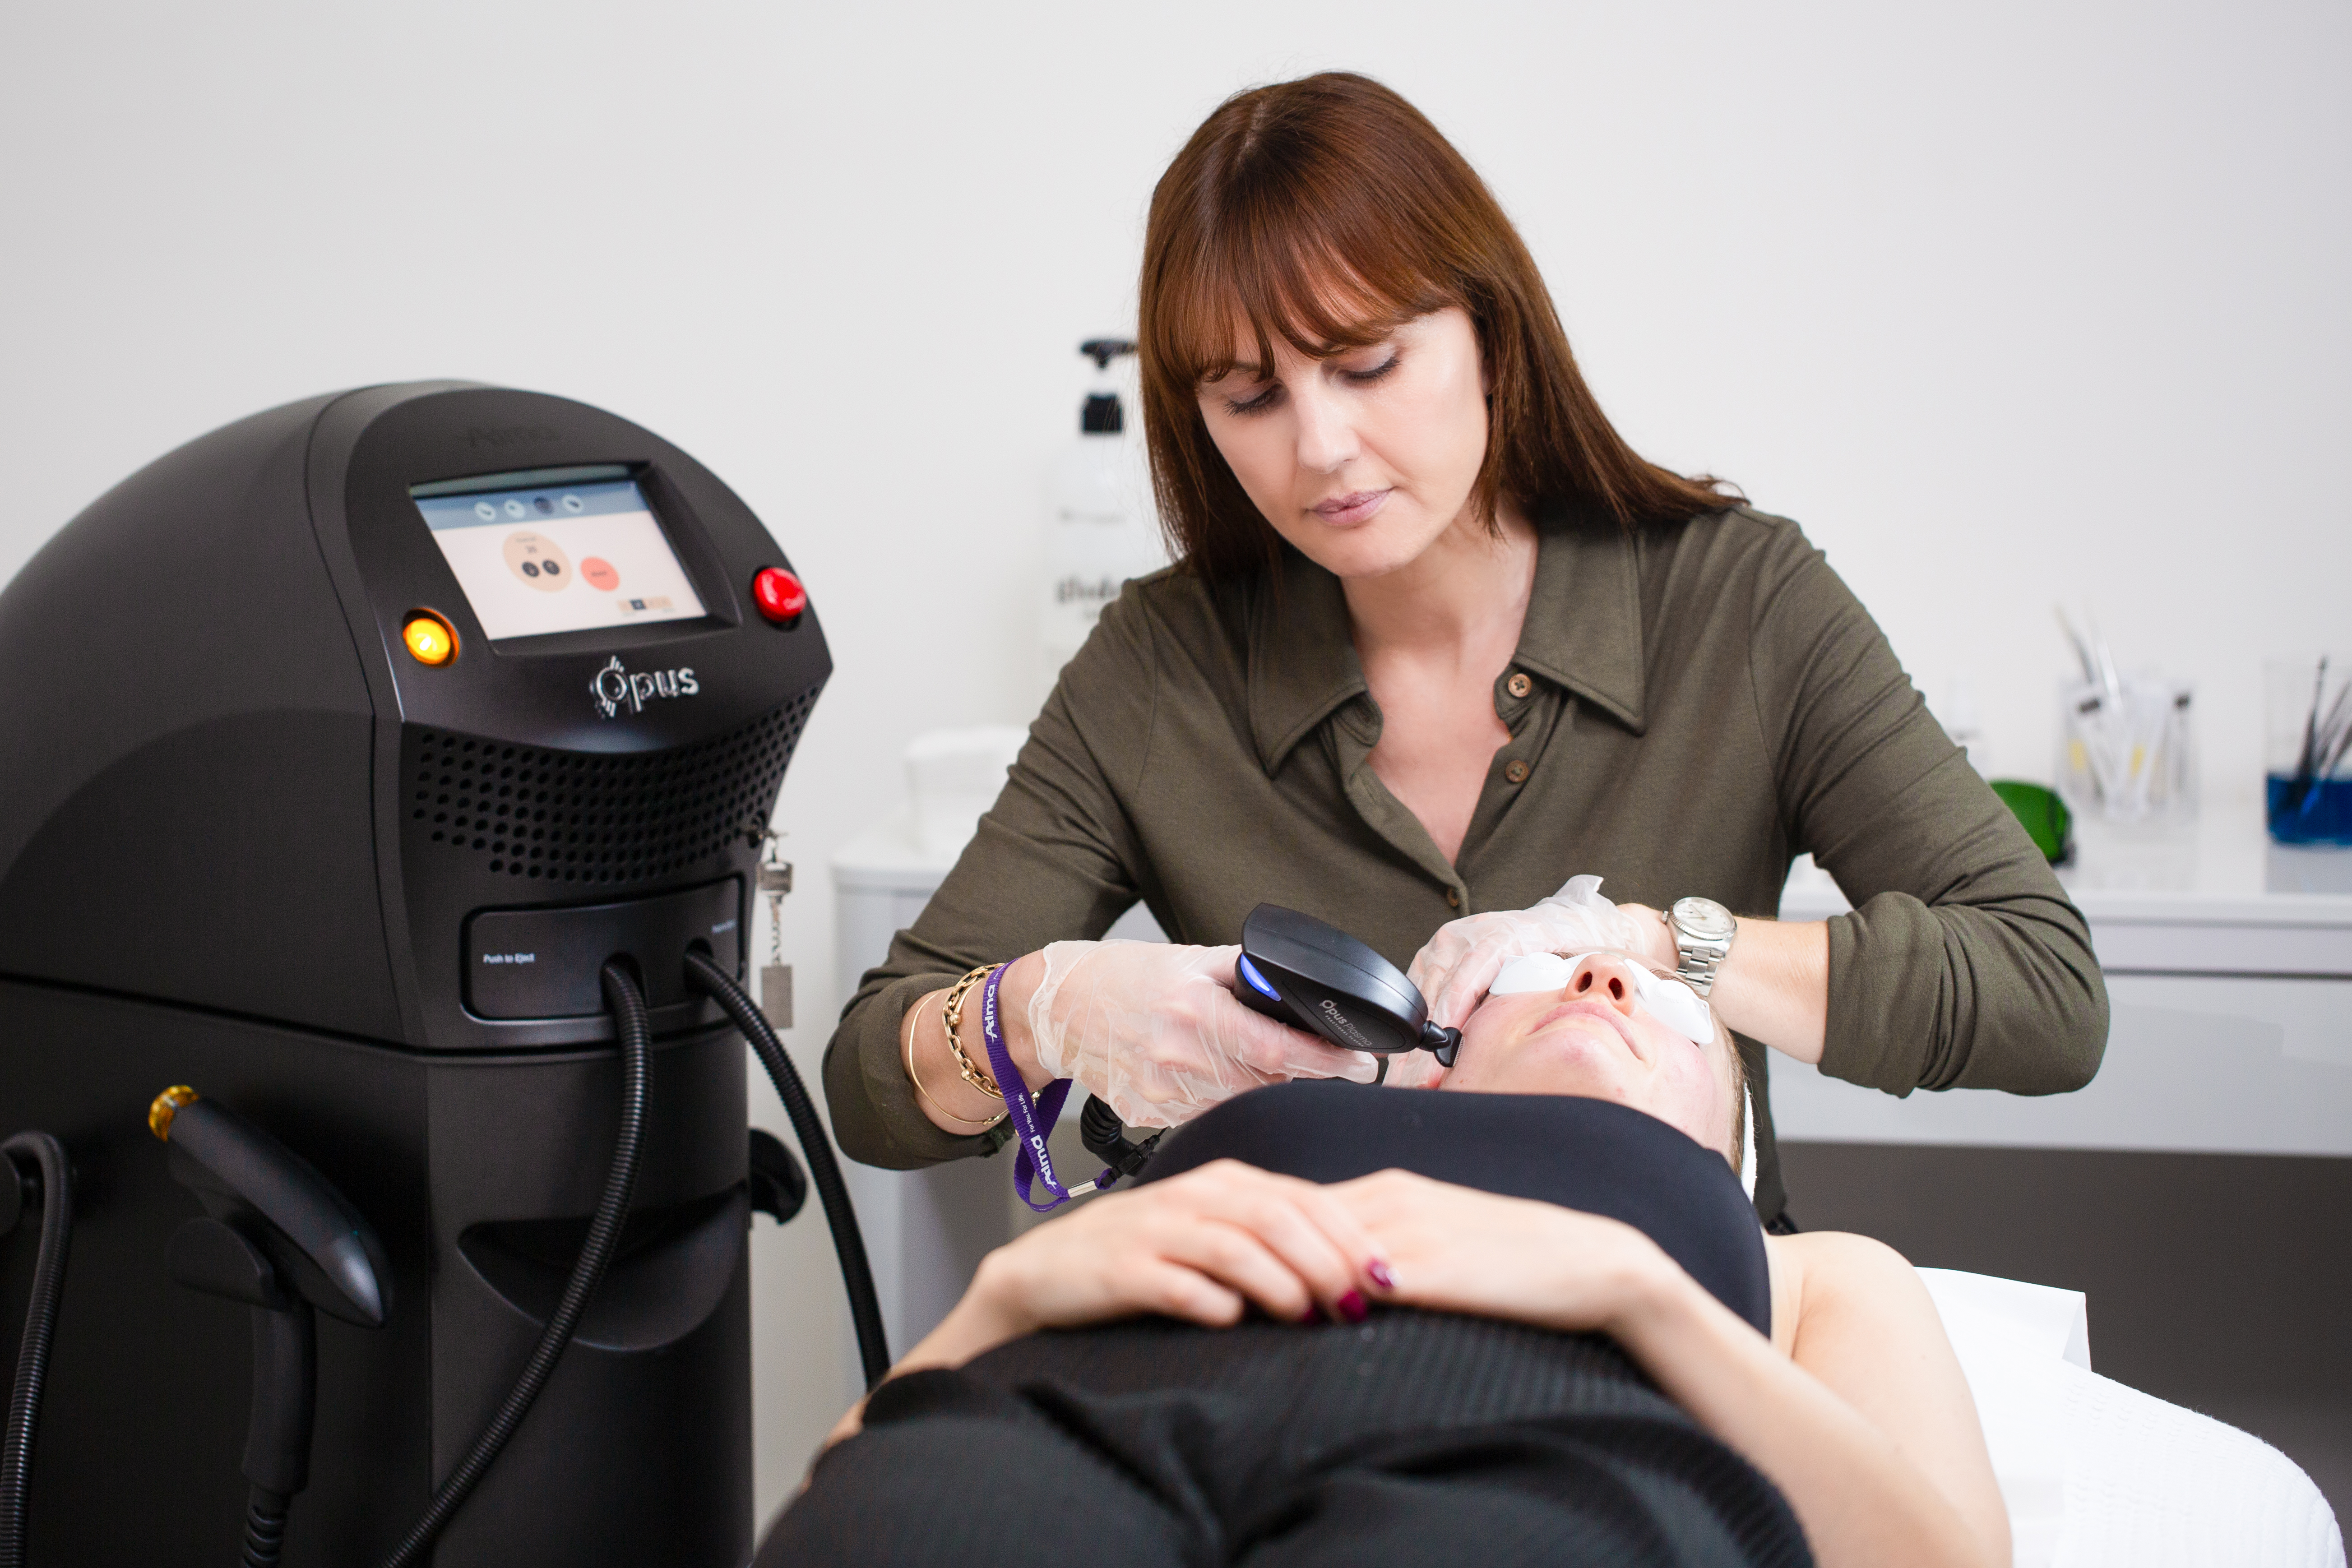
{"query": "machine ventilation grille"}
(598, 818)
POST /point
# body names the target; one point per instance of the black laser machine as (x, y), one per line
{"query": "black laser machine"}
(355, 758)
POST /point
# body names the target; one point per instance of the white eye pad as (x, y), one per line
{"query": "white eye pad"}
(1670, 1002)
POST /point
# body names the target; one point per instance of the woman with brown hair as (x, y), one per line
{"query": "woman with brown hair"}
(1436, 640)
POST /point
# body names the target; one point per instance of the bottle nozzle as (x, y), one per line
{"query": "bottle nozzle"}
(1102, 350)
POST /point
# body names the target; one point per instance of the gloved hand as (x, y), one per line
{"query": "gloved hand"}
(1454, 967)
(1152, 1028)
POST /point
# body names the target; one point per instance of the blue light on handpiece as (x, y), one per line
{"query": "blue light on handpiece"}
(1250, 974)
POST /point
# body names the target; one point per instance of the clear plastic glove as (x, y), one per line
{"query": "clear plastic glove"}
(1152, 1029)
(1454, 967)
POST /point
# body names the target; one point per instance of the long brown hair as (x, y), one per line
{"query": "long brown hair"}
(1328, 211)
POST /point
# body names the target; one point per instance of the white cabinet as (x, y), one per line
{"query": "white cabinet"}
(2231, 1033)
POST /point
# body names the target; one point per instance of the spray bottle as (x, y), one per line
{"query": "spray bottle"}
(1101, 527)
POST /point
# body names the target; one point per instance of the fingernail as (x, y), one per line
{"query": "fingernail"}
(1314, 1315)
(1376, 1272)
(1352, 1307)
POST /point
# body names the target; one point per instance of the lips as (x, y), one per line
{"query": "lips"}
(1358, 506)
(1599, 1010)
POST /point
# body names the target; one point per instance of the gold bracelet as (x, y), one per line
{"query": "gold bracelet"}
(953, 1016)
(915, 1078)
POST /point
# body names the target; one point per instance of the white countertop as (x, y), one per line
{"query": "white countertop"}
(2214, 896)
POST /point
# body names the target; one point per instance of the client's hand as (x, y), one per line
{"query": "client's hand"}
(1456, 1249)
(1153, 1029)
(1454, 967)
(1203, 1246)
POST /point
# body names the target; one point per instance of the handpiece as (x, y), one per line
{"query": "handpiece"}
(1312, 976)
(280, 1238)
(249, 1181)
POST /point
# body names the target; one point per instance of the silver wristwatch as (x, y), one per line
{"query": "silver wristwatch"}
(1702, 931)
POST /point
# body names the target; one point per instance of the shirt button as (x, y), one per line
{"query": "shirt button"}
(1519, 685)
(1453, 897)
(1517, 771)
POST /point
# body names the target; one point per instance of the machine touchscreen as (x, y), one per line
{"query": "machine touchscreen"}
(577, 550)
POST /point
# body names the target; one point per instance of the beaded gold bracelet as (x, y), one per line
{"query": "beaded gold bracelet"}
(984, 1123)
(953, 1016)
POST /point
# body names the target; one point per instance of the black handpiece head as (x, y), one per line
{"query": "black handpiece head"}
(328, 1251)
(1302, 971)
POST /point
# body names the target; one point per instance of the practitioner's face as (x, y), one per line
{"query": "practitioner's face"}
(1593, 1036)
(1363, 458)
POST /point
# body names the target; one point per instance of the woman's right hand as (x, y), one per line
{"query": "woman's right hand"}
(1152, 1029)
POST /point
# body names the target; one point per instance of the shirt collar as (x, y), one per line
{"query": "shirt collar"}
(1583, 632)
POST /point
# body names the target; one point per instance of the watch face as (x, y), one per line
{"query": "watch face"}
(1703, 918)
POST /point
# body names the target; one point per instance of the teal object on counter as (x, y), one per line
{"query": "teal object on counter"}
(2046, 819)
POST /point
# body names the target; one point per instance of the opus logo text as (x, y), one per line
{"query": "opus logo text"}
(616, 689)
(1340, 1021)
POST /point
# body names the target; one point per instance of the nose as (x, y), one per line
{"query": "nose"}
(1327, 440)
(1605, 977)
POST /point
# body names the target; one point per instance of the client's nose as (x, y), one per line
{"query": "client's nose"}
(1606, 977)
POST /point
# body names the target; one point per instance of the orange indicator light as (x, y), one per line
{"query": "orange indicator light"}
(429, 639)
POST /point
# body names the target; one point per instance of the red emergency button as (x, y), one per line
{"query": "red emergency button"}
(780, 595)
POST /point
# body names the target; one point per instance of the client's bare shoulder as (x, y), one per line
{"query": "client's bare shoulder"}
(1853, 1312)
(1832, 1281)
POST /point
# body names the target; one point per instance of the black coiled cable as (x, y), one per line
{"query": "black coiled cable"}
(48, 1158)
(816, 1148)
(635, 1029)
(264, 1528)
(1105, 1136)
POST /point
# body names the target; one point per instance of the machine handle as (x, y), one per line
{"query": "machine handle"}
(779, 1185)
(328, 1248)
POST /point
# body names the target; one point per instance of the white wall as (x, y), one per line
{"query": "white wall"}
(2005, 303)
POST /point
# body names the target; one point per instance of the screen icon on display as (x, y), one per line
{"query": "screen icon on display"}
(516, 551)
(538, 560)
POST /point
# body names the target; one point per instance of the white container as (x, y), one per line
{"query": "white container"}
(1102, 527)
(953, 777)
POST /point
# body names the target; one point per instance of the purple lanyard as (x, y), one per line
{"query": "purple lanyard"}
(1034, 1159)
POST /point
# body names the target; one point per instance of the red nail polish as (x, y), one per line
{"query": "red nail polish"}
(1352, 1307)
(1377, 1270)
(1314, 1315)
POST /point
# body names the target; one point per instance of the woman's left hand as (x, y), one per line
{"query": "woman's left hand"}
(1455, 1250)
(1454, 967)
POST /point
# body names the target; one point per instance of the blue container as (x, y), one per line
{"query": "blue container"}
(2315, 813)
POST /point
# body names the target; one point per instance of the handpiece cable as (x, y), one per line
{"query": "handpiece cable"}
(635, 1030)
(48, 1157)
(816, 1146)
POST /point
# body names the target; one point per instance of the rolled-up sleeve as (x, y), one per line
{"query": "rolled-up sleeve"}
(1963, 964)
(1054, 860)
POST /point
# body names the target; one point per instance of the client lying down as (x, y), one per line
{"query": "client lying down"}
(1529, 1319)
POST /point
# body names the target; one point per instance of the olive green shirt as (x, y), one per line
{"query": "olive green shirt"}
(1689, 709)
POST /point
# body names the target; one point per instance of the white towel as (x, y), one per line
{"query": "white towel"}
(2095, 1473)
